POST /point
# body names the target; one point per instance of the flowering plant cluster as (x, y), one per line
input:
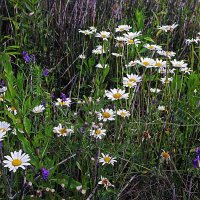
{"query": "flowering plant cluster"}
(122, 117)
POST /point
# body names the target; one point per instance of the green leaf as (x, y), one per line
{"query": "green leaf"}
(27, 124)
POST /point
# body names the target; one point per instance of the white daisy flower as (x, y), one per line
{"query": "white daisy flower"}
(12, 110)
(117, 54)
(82, 56)
(167, 54)
(16, 160)
(161, 108)
(103, 34)
(99, 50)
(168, 28)
(4, 126)
(129, 84)
(105, 182)
(62, 131)
(106, 159)
(133, 41)
(120, 41)
(147, 62)
(2, 135)
(155, 90)
(189, 41)
(63, 102)
(153, 47)
(85, 32)
(38, 109)
(132, 78)
(98, 133)
(106, 115)
(99, 65)
(160, 63)
(166, 80)
(178, 64)
(3, 89)
(186, 70)
(123, 113)
(131, 35)
(122, 28)
(132, 63)
(165, 156)
(116, 94)
(93, 29)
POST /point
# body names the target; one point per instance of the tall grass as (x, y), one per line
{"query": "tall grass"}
(154, 148)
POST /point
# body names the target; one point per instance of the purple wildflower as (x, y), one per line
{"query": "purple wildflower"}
(1, 144)
(45, 174)
(45, 72)
(63, 96)
(26, 56)
(44, 103)
(2, 83)
(196, 162)
(197, 151)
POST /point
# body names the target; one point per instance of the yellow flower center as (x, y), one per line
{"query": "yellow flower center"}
(158, 64)
(117, 95)
(122, 29)
(131, 41)
(167, 81)
(123, 114)
(132, 80)
(103, 35)
(16, 162)
(98, 131)
(165, 155)
(2, 129)
(130, 84)
(145, 63)
(151, 47)
(62, 103)
(106, 115)
(107, 159)
(1, 99)
(12, 108)
(63, 131)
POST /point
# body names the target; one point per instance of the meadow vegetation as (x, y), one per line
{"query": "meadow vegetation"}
(100, 99)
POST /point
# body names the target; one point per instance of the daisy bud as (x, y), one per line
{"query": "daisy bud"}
(79, 187)
(83, 191)
(52, 190)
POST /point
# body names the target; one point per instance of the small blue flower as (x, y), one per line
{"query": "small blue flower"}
(45, 174)
(197, 151)
(45, 72)
(1, 145)
(63, 96)
(196, 162)
(26, 56)
(44, 103)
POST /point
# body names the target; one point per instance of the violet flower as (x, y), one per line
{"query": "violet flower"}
(45, 174)
(63, 96)
(197, 151)
(45, 72)
(26, 57)
(196, 162)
